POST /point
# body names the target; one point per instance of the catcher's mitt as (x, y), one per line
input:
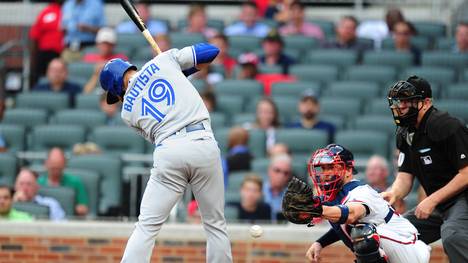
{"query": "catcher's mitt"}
(300, 205)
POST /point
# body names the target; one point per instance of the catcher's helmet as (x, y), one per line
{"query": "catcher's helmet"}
(412, 90)
(111, 78)
(328, 167)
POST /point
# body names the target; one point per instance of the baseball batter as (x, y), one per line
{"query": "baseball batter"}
(359, 216)
(161, 104)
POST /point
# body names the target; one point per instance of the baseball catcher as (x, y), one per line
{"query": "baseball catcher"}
(358, 215)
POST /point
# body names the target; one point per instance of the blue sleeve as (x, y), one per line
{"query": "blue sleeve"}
(205, 53)
(94, 15)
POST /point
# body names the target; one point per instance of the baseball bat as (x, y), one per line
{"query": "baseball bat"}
(133, 14)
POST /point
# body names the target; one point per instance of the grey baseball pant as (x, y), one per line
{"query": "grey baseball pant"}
(190, 158)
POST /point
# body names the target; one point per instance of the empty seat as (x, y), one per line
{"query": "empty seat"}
(87, 101)
(260, 167)
(109, 169)
(455, 91)
(444, 43)
(294, 89)
(243, 118)
(338, 121)
(328, 27)
(221, 136)
(143, 54)
(320, 73)
(230, 105)
(336, 57)
(85, 118)
(244, 43)
(45, 137)
(392, 58)
(287, 107)
(183, 39)
(81, 69)
(49, 101)
(353, 89)
(64, 195)
(363, 143)
(91, 181)
(439, 75)
(245, 88)
(218, 120)
(430, 29)
(257, 143)
(25, 117)
(36, 210)
(14, 136)
(378, 107)
(346, 107)
(118, 140)
(302, 140)
(455, 107)
(8, 167)
(379, 74)
(445, 59)
(235, 180)
(376, 123)
(131, 41)
(301, 43)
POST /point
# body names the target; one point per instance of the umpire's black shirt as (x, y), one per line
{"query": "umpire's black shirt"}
(434, 152)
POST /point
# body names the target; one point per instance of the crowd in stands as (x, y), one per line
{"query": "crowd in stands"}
(265, 47)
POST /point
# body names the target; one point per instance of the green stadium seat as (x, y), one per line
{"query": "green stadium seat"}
(302, 140)
(445, 59)
(287, 107)
(260, 167)
(444, 43)
(319, 73)
(328, 27)
(49, 101)
(257, 142)
(353, 89)
(199, 84)
(81, 69)
(376, 73)
(455, 91)
(378, 106)
(217, 24)
(392, 58)
(430, 29)
(243, 118)
(118, 140)
(335, 57)
(455, 107)
(464, 75)
(235, 180)
(245, 88)
(439, 75)
(25, 117)
(8, 168)
(143, 54)
(231, 213)
(182, 39)
(301, 43)
(109, 169)
(376, 123)
(230, 105)
(91, 181)
(131, 41)
(420, 42)
(87, 101)
(346, 107)
(244, 43)
(270, 69)
(221, 136)
(64, 195)
(337, 120)
(84, 118)
(270, 23)
(294, 89)
(45, 137)
(218, 120)
(14, 136)
(363, 143)
(36, 210)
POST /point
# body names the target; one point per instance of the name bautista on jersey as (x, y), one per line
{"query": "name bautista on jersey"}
(139, 85)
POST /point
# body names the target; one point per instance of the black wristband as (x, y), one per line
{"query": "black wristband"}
(328, 238)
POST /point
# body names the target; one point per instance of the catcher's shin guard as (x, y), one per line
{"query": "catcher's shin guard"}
(366, 244)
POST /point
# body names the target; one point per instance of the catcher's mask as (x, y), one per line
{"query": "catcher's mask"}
(406, 94)
(327, 167)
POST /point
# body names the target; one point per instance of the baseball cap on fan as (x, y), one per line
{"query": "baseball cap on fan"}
(106, 35)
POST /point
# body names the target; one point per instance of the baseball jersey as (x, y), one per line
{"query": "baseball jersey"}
(160, 100)
(397, 228)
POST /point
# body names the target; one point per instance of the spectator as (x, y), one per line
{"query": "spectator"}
(55, 164)
(377, 172)
(57, 75)
(248, 24)
(164, 42)
(46, 39)
(155, 27)
(272, 46)
(251, 207)
(81, 20)
(248, 66)
(402, 33)
(278, 10)
(26, 188)
(279, 174)
(209, 99)
(223, 58)
(461, 37)
(238, 157)
(196, 22)
(309, 108)
(193, 213)
(346, 36)
(267, 119)
(106, 39)
(6, 210)
(278, 149)
(297, 24)
(378, 30)
(112, 111)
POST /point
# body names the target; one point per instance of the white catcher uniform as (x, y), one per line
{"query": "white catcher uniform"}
(162, 105)
(398, 237)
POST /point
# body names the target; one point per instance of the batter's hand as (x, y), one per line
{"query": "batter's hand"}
(389, 197)
(425, 208)
(313, 254)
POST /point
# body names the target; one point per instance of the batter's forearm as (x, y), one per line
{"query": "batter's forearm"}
(455, 186)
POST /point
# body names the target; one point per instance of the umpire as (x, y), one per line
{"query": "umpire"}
(433, 148)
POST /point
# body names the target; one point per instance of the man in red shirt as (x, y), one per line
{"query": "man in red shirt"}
(46, 39)
(106, 39)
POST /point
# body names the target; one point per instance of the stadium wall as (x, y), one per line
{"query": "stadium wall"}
(105, 241)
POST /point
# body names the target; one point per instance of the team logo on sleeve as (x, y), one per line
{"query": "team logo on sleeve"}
(159, 91)
(426, 160)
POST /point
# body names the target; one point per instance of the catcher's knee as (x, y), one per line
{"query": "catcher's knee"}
(366, 244)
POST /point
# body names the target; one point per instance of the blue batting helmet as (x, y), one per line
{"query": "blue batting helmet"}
(111, 78)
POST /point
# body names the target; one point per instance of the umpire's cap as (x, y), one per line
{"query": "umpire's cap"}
(111, 78)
